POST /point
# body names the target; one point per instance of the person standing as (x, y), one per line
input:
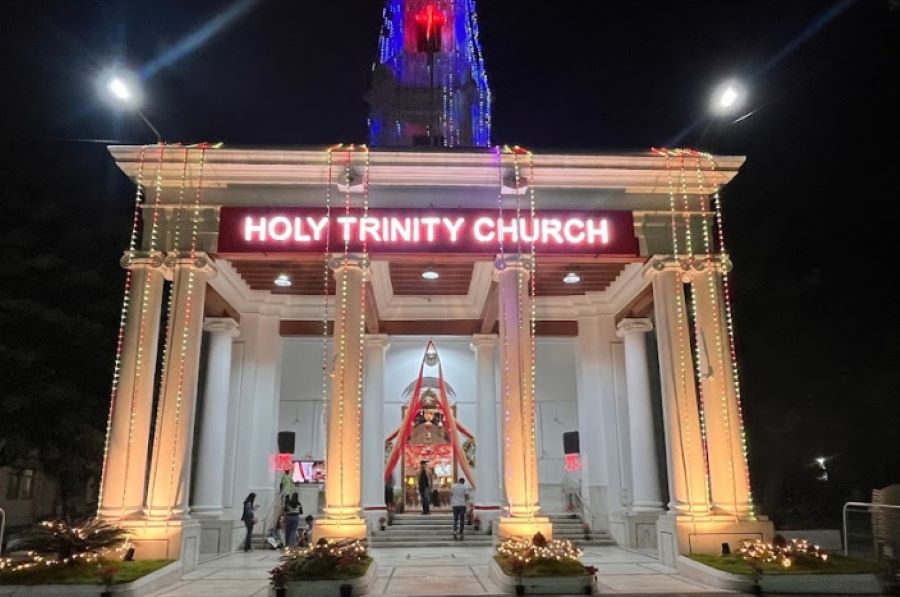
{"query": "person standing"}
(424, 487)
(458, 498)
(292, 511)
(249, 518)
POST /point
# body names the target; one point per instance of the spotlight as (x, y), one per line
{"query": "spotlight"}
(431, 274)
(572, 278)
(282, 280)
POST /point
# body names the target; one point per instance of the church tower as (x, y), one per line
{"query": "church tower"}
(429, 87)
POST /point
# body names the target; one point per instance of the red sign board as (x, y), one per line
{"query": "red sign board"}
(300, 230)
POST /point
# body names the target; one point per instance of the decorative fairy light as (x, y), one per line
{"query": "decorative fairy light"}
(326, 276)
(717, 327)
(501, 265)
(532, 323)
(123, 317)
(58, 529)
(729, 320)
(689, 265)
(538, 549)
(680, 315)
(780, 553)
(362, 318)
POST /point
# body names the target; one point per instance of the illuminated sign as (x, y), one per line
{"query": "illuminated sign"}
(244, 230)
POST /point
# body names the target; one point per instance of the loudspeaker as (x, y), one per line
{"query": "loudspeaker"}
(285, 442)
(571, 443)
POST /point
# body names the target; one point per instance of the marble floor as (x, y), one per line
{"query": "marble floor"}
(434, 571)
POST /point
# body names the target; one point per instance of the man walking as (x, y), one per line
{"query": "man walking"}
(424, 488)
(458, 499)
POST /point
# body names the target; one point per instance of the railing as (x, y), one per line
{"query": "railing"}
(2, 528)
(862, 506)
(586, 513)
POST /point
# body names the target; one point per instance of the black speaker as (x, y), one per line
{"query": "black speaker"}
(571, 443)
(285, 442)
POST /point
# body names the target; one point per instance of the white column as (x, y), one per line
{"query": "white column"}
(685, 460)
(125, 467)
(517, 403)
(342, 464)
(487, 462)
(728, 477)
(645, 476)
(373, 426)
(209, 476)
(168, 487)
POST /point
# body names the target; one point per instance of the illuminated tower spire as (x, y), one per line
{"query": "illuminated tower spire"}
(429, 86)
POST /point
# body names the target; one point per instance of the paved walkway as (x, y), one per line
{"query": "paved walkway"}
(455, 571)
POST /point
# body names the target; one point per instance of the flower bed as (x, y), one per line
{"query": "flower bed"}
(81, 573)
(323, 568)
(541, 566)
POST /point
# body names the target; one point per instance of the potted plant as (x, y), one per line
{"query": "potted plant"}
(107, 575)
(278, 580)
(382, 523)
(586, 529)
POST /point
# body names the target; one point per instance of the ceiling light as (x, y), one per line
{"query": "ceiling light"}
(572, 278)
(282, 280)
(430, 274)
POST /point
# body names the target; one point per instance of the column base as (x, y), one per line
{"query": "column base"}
(635, 529)
(511, 527)
(488, 515)
(207, 512)
(683, 535)
(165, 540)
(372, 514)
(220, 536)
(351, 528)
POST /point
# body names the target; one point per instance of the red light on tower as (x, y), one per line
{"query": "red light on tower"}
(429, 21)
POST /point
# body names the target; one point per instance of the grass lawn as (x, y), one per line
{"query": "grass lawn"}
(311, 571)
(80, 574)
(544, 568)
(836, 564)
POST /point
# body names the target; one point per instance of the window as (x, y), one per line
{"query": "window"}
(12, 485)
(26, 484)
(20, 485)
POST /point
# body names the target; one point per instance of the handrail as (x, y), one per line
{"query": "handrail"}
(583, 505)
(866, 505)
(2, 528)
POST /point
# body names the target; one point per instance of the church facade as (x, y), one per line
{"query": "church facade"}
(427, 297)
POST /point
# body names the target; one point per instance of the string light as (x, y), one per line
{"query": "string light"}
(682, 396)
(538, 549)
(326, 277)
(784, 554)
(123, 318)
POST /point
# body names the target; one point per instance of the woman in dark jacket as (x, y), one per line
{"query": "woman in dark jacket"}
(249, 518)
(292, 512)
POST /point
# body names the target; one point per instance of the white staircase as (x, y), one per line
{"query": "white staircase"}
(436, 530)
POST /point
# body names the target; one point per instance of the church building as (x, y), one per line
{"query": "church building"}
(553, 327)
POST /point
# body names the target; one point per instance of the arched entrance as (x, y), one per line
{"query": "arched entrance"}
(429, 433)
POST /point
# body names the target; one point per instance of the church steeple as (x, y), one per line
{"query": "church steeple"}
(429, 85)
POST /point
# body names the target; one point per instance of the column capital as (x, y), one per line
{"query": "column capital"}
(513, 262)
(143, 259)
(687, 265)
(629, 325)
(353, 260)
(221, 325)
(484, 341)
(199, 262)
(382, 341)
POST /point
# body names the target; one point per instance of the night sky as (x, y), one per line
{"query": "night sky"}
(811, 219)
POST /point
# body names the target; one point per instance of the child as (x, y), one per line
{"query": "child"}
(306, 534)
(274, 539)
